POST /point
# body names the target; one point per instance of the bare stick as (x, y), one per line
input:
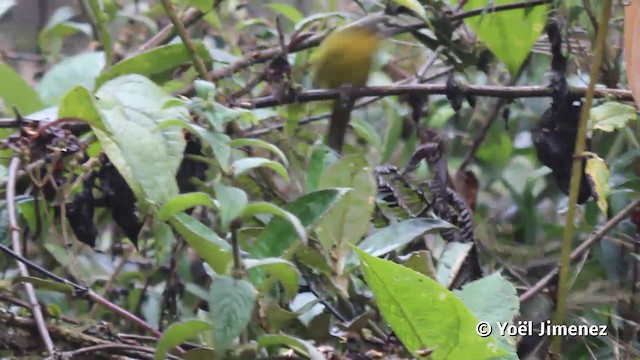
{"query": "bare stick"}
(580, 250)
(36, 311)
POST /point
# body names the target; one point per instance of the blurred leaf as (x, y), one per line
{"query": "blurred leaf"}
(59, 27)
(398, 235)
(496, 150)
(44, 284)
(509, 34)
(202, 5)
(279, 270)
(232, 203)
(131, 106)
(611, 115)
(178, 333)
(154, 62)
(268, 208)
(321, 158)
(425, 315)
(279, 234)
(422, 262)
(414, 6)
(78, 103)
(206, 243)
(183, 202)
(450, 262)
(262, 144)
(202, 353)
(14, 91)
(231, 303)
(502, 306)
(79, 70)
(348, 221)
(300, 346)
(288, 11)
(219, 142)
(598, 172)
(241, 166)
(6, 5)
(632, 48)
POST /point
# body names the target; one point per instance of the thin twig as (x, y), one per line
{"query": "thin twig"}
(579, 251)
(191, 16)
(188, 44)
(576, 174)
(24, 272)
(505, 92)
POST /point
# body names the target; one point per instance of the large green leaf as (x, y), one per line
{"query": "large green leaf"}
(14, 91)
(510, 34)
(232, 202)
(78, 70)
(131, 106)
(423, 314)
(231, 304)
(154, 62)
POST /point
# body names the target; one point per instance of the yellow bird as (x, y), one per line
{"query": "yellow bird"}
(344, 59)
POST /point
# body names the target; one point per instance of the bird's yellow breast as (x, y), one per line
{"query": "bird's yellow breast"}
(345, 57)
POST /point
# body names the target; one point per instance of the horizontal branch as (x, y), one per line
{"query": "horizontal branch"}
(505, 92)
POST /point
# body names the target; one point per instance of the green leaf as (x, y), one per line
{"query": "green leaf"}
(155, 62)
(243, 165)
(425, 315)
(131, 106)
(348, 221)
(414, 6)
(78, 103)
(206, 243)
(231, 304)
(205, 90)
(232, 203)
(279, 270)
(14, 91)
(509, 34)
(321, 158)
(450, 262)
(288, 11)
(502, 306)
(183, 202)
(178, 333)
(598, 172)
(300, 346)
(268, 208)
(611, 115)
(59, 27)
(279, 234)
(44, 284)
(262, 144)
(202, 5)
(397, 235)
(496, 150)
(219, 142)
(79, 70)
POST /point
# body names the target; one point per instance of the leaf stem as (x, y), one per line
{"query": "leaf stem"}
(576, 174)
